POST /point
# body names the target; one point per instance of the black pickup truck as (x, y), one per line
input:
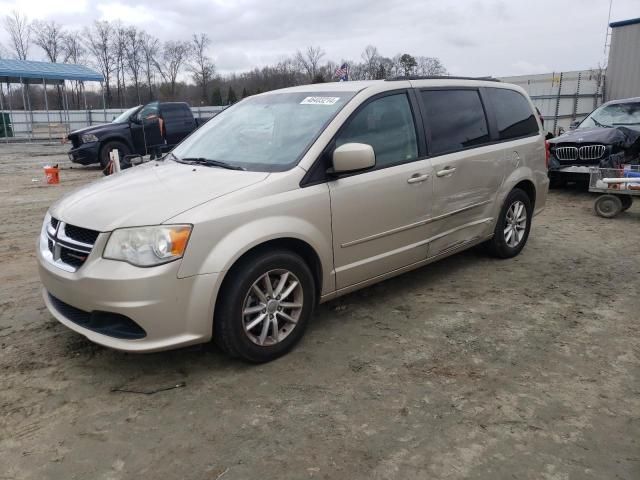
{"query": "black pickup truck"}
(141, 130)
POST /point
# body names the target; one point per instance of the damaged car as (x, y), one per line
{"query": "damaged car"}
(607, 138)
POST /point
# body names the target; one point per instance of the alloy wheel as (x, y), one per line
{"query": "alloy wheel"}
(515, 224)
(272, 307)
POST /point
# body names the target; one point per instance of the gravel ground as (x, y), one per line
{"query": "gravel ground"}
(468, 368)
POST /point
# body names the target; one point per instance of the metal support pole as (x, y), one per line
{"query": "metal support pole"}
(104, 103)
(46, 106)
(24, 110)
(84, 100)
(4, 122)
(13, 128)
(65, 104)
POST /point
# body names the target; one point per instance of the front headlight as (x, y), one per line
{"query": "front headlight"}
(148, 246)
(88, 138)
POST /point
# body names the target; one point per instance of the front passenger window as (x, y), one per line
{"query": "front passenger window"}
(387, 125)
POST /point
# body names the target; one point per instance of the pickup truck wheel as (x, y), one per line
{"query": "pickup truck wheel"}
(123, 149)
(264, 306)
(512, 227)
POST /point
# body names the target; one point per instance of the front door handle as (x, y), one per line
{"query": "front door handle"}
(417, 178)
(445, 171)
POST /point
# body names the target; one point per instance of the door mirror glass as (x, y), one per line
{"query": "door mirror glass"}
(352, 157)
(574, 124)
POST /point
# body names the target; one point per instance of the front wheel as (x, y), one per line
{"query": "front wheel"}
(513, 225)
(107, 148)
(264, 306)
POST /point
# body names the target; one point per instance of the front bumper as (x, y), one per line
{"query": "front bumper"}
(173, 312)
(86, 153)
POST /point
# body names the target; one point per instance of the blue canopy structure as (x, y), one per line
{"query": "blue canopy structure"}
(27, 71)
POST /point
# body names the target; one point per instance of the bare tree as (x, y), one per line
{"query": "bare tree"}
(174, 55)
(118, 46)
(74, 52)
(99, 45)
(310, 60)
(3, 51)
(430, 66)
(201, 66)
(17, 26)
(49, 36)
(150, 47)
(134, 54)
(371, 59)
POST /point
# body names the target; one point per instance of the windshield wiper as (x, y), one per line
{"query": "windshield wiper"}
(598, 124)
(207, 162)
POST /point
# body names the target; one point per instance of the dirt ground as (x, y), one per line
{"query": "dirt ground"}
(469, 368)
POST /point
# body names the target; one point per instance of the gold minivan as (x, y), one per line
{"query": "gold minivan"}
(291, 198)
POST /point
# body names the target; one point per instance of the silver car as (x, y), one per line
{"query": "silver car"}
(288, 199)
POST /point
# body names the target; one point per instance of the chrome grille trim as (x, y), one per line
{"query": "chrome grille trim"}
(592, 152)
(54, 240)
(566, 153)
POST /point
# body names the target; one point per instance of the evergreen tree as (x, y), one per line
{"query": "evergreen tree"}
(245, 94)
(231, 96)
(216, 97)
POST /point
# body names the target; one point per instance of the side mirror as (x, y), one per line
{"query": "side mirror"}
(573, 125)
(352, 157)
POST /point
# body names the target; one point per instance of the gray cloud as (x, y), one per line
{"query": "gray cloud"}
(471, 37)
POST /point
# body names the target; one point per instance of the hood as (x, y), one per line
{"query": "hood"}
(148, 194)
(99, 128)
(617, 136)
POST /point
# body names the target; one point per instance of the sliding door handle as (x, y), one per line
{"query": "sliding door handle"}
(417, 178)
(446, 171)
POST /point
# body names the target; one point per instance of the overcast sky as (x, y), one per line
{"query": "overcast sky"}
(471, 37)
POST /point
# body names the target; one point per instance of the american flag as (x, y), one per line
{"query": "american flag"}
(342, 73)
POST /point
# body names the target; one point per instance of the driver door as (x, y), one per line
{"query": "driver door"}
(145, 129)
(379, 216)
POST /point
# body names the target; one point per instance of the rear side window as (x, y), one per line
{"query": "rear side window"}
(387, 125)
(514, 115)
(455, 119)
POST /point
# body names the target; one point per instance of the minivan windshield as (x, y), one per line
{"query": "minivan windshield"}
(124, 116)
(266, 133)
(617, 114)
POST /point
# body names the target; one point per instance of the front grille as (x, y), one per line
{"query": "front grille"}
(566, 153)
(69, 246)
(80, 234)
(107, 323)
(592, 152)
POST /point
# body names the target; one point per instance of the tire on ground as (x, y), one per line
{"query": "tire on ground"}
(497, 246)
(608, 206)
(122, 148)
(228, 328)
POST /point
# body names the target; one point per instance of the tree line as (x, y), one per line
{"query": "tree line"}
(138, 67)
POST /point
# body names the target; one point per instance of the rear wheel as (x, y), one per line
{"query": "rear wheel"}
(264, 306)
(107, 148)
(512, 227)
(608, 206)
(627, 201)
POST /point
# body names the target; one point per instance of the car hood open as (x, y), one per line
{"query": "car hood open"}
(617, 136)
(148, 194)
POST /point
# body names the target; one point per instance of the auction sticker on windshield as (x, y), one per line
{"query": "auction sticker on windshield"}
(319, 101)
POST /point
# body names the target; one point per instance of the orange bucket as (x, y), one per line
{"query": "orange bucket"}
(52, 174)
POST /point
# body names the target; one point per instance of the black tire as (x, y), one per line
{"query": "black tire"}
(627, 201)
(498, 246)
(608, 206)
(228, 328)
(123, 149)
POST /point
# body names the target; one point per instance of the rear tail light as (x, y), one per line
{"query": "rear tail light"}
(547, 152)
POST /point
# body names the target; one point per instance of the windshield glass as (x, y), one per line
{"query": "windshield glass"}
(613, 115)
(266, 133)
(124, 116)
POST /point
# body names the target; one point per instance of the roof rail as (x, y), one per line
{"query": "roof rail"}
(440, 77)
